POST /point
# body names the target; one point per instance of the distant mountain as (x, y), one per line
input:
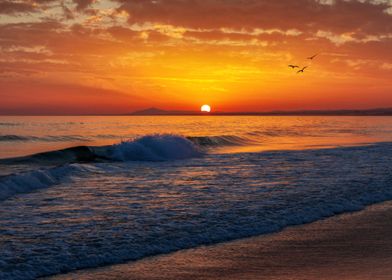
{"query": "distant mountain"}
(149, 112)
(159, 112)
(360, 112)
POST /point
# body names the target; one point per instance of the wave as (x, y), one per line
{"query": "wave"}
(26, 182)
(4, 138)
(156, 147)
(76, 154)
(30, 138)
(54, 165)
(10, 124)
(220, 140)
(153, 148)
(147, 148)
(224, 140)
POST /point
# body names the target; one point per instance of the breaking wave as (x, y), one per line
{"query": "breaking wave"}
(63, 163)
(33, 180)
(146, 148)
(153, 148)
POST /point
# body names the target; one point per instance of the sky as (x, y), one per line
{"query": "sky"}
(117, 56)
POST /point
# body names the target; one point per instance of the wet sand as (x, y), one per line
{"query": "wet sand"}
(349, 246)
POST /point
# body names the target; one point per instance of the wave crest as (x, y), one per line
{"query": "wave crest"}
(155, 148)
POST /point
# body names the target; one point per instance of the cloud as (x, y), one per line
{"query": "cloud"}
(83, 4)
(15, 7)
(326, 2)
(285, 14)
(34, 98)
(350, 37)
(161, 48)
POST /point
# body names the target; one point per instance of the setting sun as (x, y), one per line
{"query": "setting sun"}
(206, 108)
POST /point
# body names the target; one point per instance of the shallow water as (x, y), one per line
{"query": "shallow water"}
(88, 207)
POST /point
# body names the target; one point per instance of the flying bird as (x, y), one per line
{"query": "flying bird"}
(293, 66)
(302, 70)
(313, 56)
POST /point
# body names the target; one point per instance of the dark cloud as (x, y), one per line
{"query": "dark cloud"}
(28, 34)
(123, 33)
(57, 37)
(83, 4)
(38, 98)
(12, 7)
(308, 15)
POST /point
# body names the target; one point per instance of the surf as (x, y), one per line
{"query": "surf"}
(155, 147)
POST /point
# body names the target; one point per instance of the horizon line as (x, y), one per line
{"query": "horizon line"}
(386, 111)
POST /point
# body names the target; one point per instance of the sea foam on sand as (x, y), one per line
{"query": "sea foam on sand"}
(345, 247)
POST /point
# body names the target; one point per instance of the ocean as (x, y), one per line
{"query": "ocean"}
(81, 192)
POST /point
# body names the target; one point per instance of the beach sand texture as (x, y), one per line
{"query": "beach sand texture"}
(353, 246)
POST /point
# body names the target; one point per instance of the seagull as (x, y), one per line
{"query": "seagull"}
(313, 56)
(302, 70)
(293, 66)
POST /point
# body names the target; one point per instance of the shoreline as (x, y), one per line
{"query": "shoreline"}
(355, 245)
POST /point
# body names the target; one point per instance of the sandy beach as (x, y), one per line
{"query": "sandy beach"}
(349, 246)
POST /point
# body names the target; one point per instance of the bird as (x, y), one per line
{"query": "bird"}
(313, 56)
(293, 66)
(302, 70)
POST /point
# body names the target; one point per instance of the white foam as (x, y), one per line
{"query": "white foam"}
(155, 148)
(38, 179)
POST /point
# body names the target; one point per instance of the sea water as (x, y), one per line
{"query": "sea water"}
(79, 192)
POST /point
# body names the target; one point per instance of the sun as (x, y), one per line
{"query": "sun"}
(206, 108)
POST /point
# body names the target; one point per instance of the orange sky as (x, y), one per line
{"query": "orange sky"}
(116, 56)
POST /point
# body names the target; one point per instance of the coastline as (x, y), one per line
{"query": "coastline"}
(354, 245)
